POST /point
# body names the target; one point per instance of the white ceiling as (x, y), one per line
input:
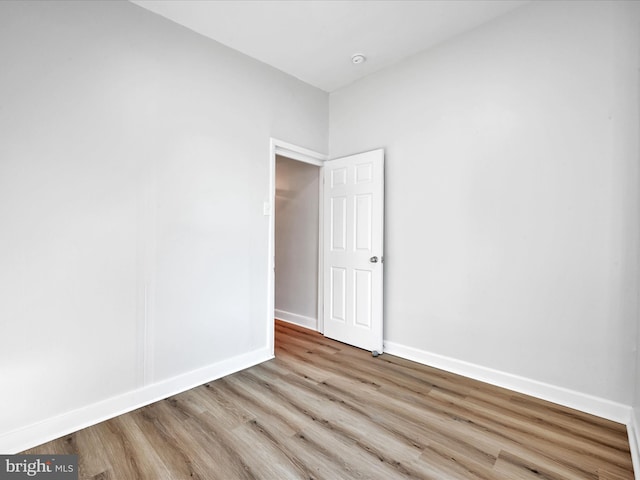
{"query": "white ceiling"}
(314, 40)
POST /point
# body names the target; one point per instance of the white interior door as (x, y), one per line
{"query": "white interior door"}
(353, 240)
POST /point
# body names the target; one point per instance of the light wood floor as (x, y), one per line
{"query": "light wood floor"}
(324, 410)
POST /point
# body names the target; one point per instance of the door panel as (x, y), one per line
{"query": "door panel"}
(353, 269)
(338, 213)
(338, 294)
(363, 222)
(362, 290)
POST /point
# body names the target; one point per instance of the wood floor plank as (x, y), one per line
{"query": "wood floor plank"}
(323, 410)
(346, 421)
(583, 425)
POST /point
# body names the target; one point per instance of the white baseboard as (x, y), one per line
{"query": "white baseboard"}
(632, 431)
(600, 407)
(301, 320)
(52, 428)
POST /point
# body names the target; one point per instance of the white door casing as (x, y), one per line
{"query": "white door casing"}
(353, 267)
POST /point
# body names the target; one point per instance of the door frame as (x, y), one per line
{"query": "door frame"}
(294, 152)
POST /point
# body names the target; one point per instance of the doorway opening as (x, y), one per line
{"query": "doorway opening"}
(296, 212)
(349, 263)
(295, 275)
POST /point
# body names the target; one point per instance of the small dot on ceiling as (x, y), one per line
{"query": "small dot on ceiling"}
(358, 58)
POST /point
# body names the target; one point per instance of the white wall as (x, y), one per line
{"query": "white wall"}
(296, 242)
(133, 165)
(511, 196)
(634, 430)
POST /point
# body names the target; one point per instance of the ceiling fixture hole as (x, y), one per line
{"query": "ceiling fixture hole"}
(358, 58)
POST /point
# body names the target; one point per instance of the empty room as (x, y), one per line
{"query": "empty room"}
(319, 239)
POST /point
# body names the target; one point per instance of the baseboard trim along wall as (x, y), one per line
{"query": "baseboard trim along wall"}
(632, 431)
(600, 407)
(52, 428)
(301, 320)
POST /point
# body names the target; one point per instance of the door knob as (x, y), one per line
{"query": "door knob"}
(373, 259)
